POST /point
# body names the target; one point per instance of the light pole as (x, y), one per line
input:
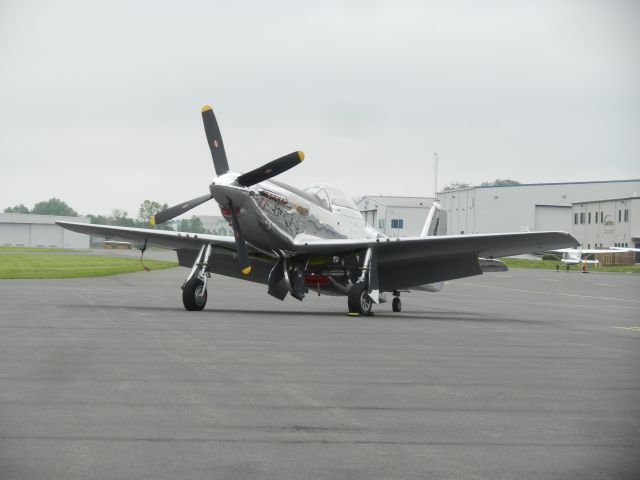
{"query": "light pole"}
(435, 176)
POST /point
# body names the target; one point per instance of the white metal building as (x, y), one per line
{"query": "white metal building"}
(26, 230)
(607, 223)
(396, 216)
(537, 206)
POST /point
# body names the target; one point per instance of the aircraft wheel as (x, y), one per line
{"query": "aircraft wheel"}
(358, 300)
(396, 304)
(194, 296)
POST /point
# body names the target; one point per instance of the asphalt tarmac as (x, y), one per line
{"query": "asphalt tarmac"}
(525, 374)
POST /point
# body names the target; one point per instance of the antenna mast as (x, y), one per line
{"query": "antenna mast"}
(435, 176)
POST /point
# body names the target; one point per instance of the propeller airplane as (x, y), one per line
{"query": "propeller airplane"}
(580, 256)
(295, 241)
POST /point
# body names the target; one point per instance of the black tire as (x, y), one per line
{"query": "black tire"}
(396, 305)
(192, 297)
(358, 300)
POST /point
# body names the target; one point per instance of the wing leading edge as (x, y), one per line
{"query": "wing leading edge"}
(162, 238)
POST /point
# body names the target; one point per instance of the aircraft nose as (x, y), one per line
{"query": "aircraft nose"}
(224, 194)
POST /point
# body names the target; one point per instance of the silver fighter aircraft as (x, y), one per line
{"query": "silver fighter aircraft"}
(315, 240)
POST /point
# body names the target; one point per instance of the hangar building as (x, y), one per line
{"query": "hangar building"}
(26, 230)
(607, 223)
(536, 206)
(395, 216)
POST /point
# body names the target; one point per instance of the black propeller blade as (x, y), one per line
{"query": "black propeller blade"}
(214, 139)
(241, 246)
(271, 169)
(176, 210)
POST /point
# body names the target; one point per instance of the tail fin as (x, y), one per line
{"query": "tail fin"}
(436, 223)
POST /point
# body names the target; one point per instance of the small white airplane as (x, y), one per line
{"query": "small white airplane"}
(579, 256)
(296, 241)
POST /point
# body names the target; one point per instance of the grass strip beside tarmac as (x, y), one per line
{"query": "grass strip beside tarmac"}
(551, 265)
(16, 266)
(32, 250)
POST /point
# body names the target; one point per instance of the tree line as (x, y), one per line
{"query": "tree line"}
(498, 182)
(119, 217)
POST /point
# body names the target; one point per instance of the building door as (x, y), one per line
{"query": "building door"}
(15, 234)
(552, 217)
(46, 235)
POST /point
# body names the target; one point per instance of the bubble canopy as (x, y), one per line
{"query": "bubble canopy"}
(331, 197)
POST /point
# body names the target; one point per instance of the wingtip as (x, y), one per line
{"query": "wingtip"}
(206, 108)
(152, 221)
(301, 155)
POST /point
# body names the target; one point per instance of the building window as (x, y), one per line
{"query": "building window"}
(581, 218)
(397, 223)
(619, 215)
(626, 214)
(589, 217)
(575, 218)
(381, 223)
(601, 217)
(596, 217)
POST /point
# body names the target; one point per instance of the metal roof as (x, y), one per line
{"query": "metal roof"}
(541, 184)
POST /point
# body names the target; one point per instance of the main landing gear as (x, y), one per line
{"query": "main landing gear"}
(366, 291)
(194, 295)
(359, 301)
(194, 289)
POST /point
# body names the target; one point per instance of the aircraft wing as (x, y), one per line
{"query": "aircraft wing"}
(410, 261)
(490, 245)
(162, 238)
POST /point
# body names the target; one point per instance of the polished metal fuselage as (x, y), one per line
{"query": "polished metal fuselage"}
(273, 218)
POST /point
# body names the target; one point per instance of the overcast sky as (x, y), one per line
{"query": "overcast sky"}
(100, 100)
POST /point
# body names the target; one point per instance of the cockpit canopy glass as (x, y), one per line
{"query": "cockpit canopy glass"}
(330, 196)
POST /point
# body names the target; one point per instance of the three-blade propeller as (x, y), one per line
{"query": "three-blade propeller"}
(221, 166)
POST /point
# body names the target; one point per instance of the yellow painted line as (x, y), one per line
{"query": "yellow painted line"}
(633, 329)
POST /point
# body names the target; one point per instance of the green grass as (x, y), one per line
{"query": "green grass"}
(551, 265)
(71, 266)
(32, 249)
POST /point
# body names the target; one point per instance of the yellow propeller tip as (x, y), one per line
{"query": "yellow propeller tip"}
(152, 221)
(206, 108)
(301, 155)
(247, 270)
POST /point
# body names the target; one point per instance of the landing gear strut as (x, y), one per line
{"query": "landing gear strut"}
(194, 289)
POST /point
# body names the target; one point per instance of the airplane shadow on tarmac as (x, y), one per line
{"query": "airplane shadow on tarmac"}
(441, 316)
